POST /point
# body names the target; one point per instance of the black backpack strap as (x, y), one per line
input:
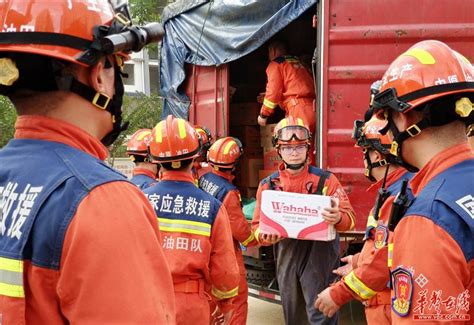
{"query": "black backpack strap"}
(322, 179)
(268, 180)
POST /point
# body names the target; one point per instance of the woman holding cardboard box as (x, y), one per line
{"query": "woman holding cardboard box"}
(303, 267)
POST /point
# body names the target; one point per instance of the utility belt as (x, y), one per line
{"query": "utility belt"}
(190, 286)
(293, 101)
(381, 298)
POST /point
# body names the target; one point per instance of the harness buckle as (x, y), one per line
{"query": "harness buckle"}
(415, 128)
(394, 148)
(101, 100)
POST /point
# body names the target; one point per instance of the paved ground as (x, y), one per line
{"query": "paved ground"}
(267, 313)
(264, 313)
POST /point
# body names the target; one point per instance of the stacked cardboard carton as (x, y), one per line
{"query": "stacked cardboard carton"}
(243, 125)
(271, 160)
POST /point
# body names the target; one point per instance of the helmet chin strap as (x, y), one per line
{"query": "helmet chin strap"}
(400, 137)
(294, 166)
(112, 105)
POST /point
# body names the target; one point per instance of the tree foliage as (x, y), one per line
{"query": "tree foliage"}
(142, 112)
(145, 11)
(7, 120)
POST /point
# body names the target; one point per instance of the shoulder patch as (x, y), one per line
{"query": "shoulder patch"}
(402, 284)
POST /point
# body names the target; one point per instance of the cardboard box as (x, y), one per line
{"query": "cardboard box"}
(249, 135)
(267, 130)
(244, 113)
(247, 172)
(266, 135)
(271, 160)
(252, 152)
(295, 215)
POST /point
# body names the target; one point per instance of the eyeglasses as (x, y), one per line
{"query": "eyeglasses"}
(287, 150)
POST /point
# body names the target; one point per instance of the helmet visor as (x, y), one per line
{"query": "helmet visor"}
(297, 132)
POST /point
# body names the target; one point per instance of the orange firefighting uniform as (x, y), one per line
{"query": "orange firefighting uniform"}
(143, 177)
(291, 86)
(197, 239)
(432, 253)
(241, 233)
(370, 275)
(304, 268)
(200, 168)
(112, 267)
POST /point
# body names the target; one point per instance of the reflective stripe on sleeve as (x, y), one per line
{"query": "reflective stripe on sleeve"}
(249, 239)
(11, 278)
(224, 294)
(390, 255)
(269, 104)
(257, 234)
(358, 286)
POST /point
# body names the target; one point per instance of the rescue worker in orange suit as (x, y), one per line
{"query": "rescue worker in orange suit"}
(290, 85)
(200, 165)
(303, 267)
(222, 157)
(428, 107)
(197, 237)
(366, 274)
(144, 173)
(79, 243)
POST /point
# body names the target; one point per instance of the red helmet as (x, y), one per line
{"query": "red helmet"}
(138, 143)
(433, 78)
(427, 71)
(174, 139)
(367, 135)
(205, 135)
(225, 152)
(291, 130)
(67, 27)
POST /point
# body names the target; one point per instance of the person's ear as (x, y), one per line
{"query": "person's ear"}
(377, 156)
(97, 77)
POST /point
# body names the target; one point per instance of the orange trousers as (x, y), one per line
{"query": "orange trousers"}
(192, 308)
(305, 111)
(239, 316)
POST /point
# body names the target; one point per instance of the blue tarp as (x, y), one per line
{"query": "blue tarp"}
(215, 32)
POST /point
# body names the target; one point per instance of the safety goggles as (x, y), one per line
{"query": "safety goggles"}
(357, 132)
(295, 132)
(288, 149)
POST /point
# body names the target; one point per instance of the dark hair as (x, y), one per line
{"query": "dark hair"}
(30, 67)
(278, 44)
(184, 165)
